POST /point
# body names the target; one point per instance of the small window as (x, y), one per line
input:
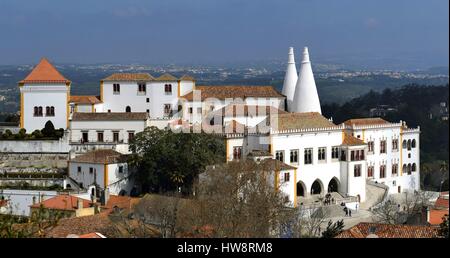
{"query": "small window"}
(413, 143)
(370, 146)
(40, 111)
(370, 171)
(308, 156)
(128, 109)
(279, 155)
(120, 169)
(395, 144)
(167, 110)
(357, 171)
(190, 110)
(91, 170)
(322, 154)
(383, 146)
(147, 100)
(168, 89)
(85, 137)
(109, 110)
(408, 144)
(130, 136)
(116, 136)
(237, 152)
(142, 88)
(100, 136)
(335, 152)
(79, 169)
(148, 111)
(382, 171)
(287, 177)
(116, 88)
(294, 156)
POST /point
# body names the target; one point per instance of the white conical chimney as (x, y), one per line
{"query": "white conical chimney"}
(306, 98)
(290, 79)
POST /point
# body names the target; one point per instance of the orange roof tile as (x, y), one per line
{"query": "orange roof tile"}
(437, 215)
(102, 156)
(306, 120)
(62, 202)
(363, 230)
(227, 91)
(122, 202)
(351, 140)
(84, 99)
(44, 72)
(166, 77)
(83, 225)
(366, 121)
(442, 202)
(129, 77)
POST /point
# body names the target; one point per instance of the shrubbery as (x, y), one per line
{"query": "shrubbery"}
(47, 133)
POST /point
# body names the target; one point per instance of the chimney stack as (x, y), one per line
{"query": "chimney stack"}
(290, 79)
(306, 98)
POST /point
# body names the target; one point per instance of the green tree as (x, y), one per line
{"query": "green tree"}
(443, 227)
(166, 160)
(49, 129)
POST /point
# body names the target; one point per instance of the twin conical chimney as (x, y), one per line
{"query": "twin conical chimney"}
(306, 98)
(290, 79)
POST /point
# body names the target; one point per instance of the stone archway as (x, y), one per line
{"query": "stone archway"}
(317, 187)
(301, 189)
(333, 185)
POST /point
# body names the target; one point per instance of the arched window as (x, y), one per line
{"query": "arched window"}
(36, 111)
(128, 109)
(413, 168)
(409, 144)
(52, 111)
(413, 143)
(404, 168)
(409, 169)
(404, 144)
(40, 111)
(47, 111)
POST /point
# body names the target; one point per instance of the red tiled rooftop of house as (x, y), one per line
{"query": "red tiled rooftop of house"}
(351, 140)
(44, 72)
(62, 202)
(84, 99)
(364, 230)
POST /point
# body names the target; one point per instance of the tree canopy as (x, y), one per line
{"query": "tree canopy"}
(166, 160)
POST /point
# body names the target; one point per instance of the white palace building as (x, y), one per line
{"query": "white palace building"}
(310, 154)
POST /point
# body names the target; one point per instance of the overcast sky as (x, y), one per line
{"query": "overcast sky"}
(203, 31)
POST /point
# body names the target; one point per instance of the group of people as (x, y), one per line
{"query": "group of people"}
(328, 199)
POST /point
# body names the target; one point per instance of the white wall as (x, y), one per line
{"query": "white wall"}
(20, 200)
(44, 95)
(77, 127)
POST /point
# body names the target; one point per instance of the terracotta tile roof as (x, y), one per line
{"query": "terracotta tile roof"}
(234, 127)
(366, 121)
(44, 72)
(83, 225)
(363, 230)
(243, 110)
(106, 156)
(187, 78)
(62, 202)
(109, 116)
(275, 165)
(308, 120)
(166, 77)
(122, 202)
(351, 140)
(442, 202)
(129, 77)
(84, 99)
(223, 92)
(437, 215)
